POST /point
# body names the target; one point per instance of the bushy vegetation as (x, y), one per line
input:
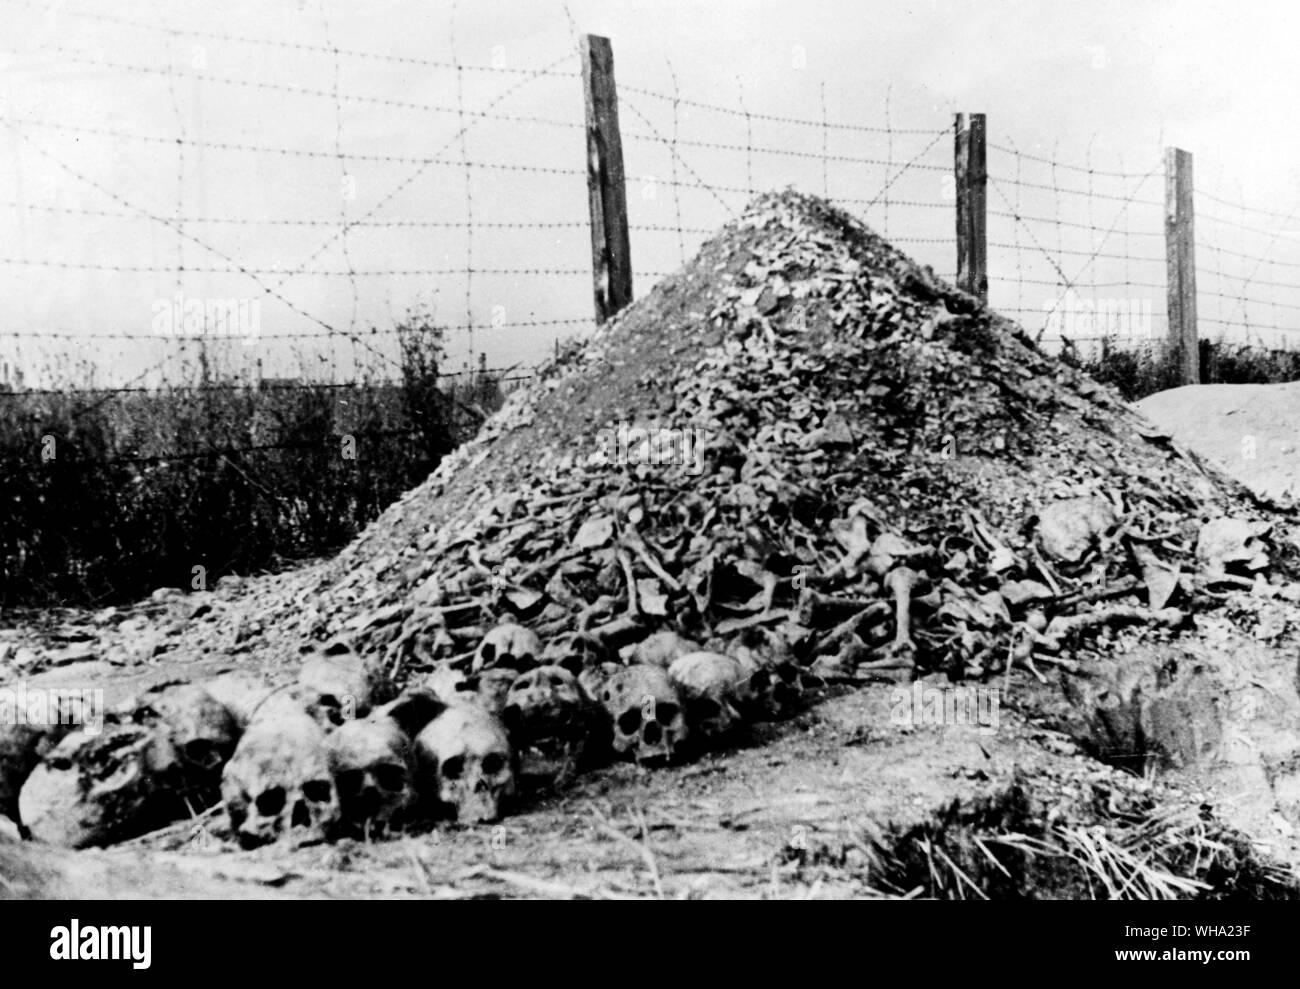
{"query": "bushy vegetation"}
(106, 495)
(1141, 370)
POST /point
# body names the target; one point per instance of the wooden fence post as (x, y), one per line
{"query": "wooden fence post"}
(611, 249)
(971, 178)
(1180, 266)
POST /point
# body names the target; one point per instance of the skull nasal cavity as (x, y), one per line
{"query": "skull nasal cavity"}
(301, 815)
(652, 735)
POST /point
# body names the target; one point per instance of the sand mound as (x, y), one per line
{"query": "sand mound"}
(1251, 431)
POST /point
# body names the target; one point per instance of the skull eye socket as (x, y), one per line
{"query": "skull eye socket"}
(452, 768)
(629, 721)
(666, 713)
(493, 763)
(788, 673)
(488, 651)
(317, 791)
(270, 802)
(390, 778)
(201, 752)
(705, 709)
(556, 680)
(350, 781)
(761, 680)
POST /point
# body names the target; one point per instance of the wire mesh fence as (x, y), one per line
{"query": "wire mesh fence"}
(470, 200)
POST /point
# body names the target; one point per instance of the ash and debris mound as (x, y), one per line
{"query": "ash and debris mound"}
(802, 460)
(807, 445)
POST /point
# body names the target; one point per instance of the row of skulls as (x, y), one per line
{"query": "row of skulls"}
(666, 694)
(339, 752)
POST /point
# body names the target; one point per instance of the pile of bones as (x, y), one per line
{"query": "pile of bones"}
(601, 610)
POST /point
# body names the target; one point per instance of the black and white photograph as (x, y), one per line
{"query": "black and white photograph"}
(578, 450)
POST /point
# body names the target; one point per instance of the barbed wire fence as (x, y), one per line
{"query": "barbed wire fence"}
(1074, 247)
(35, 136)
(1080, 247)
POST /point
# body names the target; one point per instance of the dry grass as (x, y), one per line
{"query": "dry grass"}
(107, 495)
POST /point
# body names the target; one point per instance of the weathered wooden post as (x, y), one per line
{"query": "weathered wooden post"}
(971, 179)
(611, 249)
(1180, 266)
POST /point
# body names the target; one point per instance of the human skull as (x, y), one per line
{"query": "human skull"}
(486, 688)
(649, 722)
(777, 684)
(509, 646)
(491, 688)
(446, 682)
(466, 761)
(202, 732)
(713, 690)
(661, 648)
(1225, 542)
(593, 680)
(278, 783)
(545, 708)
(22, 746)
(96, 789)
(373, 763)
(337, 685)
(777, 690)
(576, 652)
(239, 693)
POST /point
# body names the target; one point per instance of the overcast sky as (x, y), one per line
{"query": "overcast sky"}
(93, 176)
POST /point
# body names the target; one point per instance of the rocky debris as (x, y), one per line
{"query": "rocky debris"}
(1232, 542)
(803, 457)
